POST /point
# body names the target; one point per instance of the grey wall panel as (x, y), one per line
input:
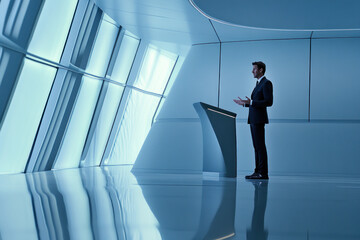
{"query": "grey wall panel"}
(314, 148)
(287, 63)
(174, 146)
(304, 148)
(293, 148)
(197, 82)
(245, 150)
(335, 83)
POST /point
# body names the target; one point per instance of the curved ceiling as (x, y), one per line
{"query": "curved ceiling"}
(313, 15)
(179, 24)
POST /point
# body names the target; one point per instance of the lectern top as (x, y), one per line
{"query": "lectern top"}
(216, 109)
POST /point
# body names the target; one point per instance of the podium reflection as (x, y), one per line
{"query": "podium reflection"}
(217, 210)
(257, 230)
(192, 207)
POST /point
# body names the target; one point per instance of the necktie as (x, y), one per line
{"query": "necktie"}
(257, 82)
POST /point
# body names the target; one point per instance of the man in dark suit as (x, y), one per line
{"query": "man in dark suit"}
(261, 98)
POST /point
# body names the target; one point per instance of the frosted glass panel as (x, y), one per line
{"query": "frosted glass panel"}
(10, 64)
(124, 59)
(134, 127)
(77, 129)
(52, 29)
(17, 19)
(23, 115)
(155, 70)
(101, 53)
(109, 107)
(86, 36)
(109, 19)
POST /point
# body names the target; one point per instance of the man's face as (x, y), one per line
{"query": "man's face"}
(256, 72)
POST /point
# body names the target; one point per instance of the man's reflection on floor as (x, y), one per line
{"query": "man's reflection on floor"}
(257, 231)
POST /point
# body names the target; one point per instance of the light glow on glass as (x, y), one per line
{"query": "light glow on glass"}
(52, 28)
(93, 155)
(155, 70)
(134, 127)
(76, 132)
(101, 53)
(125, 58)
(17, 133)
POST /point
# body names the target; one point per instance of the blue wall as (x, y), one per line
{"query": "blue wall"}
(314, 122)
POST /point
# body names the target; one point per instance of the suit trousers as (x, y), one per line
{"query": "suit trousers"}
(258, 138)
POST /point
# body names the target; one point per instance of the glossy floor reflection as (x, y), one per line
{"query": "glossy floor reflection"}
(113, 203)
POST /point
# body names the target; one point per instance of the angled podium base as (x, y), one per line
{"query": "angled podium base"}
(219, 139)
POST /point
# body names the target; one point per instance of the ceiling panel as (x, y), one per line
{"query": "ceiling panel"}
(234, 33)
(162, 20)
(178, 22)
(332, 34)
(283, 14)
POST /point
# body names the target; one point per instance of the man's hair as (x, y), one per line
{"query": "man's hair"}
(260, 65)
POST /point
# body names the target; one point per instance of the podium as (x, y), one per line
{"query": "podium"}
(219, 139)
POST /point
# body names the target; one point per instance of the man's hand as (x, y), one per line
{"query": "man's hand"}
(247, 101)
(242, 102)
(239, 101)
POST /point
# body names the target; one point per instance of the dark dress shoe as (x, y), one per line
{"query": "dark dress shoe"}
(257, 176)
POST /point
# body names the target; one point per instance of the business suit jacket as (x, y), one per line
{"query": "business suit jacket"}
(262, 97)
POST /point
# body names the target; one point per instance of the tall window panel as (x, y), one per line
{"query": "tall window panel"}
(140, 109)
(52, 28)
(85, 39)
(78, 126)
(101, 124)
(134, 127)
(23, 115)
(109, 101)
(155, 70)
(77, 130)
(17, 20)
(102, 50)
(71, 85)
(10, 64)
(119, 72)
(46, 153)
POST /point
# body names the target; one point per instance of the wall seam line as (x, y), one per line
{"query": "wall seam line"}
(309, 106)
(219, 76)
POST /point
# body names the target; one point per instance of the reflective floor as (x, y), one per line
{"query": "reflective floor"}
(113, 203)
